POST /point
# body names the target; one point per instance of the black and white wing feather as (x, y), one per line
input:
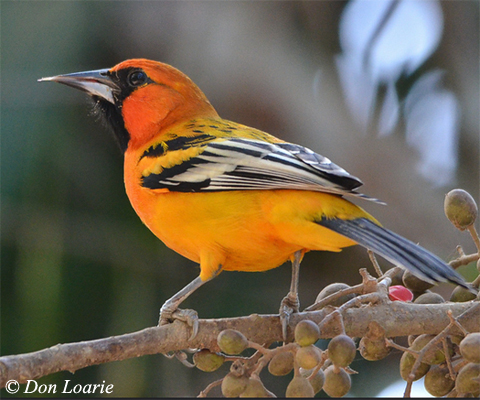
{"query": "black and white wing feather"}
(247, 164)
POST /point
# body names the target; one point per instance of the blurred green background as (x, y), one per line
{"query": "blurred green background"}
(77, 263)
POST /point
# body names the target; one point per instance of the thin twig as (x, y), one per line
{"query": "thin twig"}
(375, 263)
(421, 354)
(474, 234)
(355, 302)
(258, 347)
(448, 359)
(460, 364)
(350, 371)
(391, 343)
(205, 391)
(367, 286)
(334, 296)
(464, 260)
(259, 366)
(408, 389)
(319, 366)
(453, 321)
(467, 259)
(268, 354)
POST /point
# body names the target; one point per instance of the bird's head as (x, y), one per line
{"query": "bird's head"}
(139, 98)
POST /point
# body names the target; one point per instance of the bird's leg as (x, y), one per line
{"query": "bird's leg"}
(290, 303)
(170, 311)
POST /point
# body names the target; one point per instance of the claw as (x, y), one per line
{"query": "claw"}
(166, 314)
(170, 310)
(190, 317)
(289, 305)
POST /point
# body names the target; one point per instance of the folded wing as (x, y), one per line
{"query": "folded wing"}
(246, 164)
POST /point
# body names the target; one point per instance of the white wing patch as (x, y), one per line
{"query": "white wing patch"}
(245, 164)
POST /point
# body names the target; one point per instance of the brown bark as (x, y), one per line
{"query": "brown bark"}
(397, 318)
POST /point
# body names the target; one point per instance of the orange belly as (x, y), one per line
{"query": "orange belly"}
(241, 230)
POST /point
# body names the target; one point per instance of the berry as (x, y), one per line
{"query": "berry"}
(468, 380)
(461, 295)
(255, 389)
(337, 382)
(414, 283)
(373, 350)
(207, 361)
(308, 357)
(435, 354)
(233, 385)
(429, 298)
(316, 381)
(306, 333)
(281, 363)
(299, 387)
(334, 288)
(341, 350)
(399, 293)
(406, 364)
(470, 347)
(460, 208)
(231, 341)
(438, 382)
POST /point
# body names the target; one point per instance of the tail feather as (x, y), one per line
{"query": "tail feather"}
(396, 249)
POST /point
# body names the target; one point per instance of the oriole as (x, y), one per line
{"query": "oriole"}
(228, 196)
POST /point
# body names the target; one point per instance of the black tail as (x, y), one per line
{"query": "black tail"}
(396, 249)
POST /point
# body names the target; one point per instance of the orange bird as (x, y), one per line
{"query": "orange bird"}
(228, 196)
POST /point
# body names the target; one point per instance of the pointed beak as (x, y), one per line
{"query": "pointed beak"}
(95, 83)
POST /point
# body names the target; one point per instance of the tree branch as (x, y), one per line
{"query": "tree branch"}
(397, 318)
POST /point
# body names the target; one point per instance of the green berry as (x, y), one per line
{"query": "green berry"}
(316, 381)
(306, 333)
(414, 283)
(337, 382)
(468, 380)
(373, 350)
(299, 387)
(460, 208)
(342, 350)
(207, 361)
(406, 364)
(438, 382)
(334, 288)
(308, 357)
(233, 385)
(429, 298)
(435, 354)
(470, 347)
(255, 389)
(232, 342)
(461, 295)
(281, 363)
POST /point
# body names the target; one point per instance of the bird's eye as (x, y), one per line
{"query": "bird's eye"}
(137, 78)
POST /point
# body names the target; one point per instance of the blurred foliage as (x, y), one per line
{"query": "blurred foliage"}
(76, 262)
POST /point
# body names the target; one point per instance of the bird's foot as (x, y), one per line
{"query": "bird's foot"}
(289, 305)
(169, 313)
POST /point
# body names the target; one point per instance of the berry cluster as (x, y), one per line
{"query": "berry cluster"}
(449, 360)
(451, 369)
(314, 369)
